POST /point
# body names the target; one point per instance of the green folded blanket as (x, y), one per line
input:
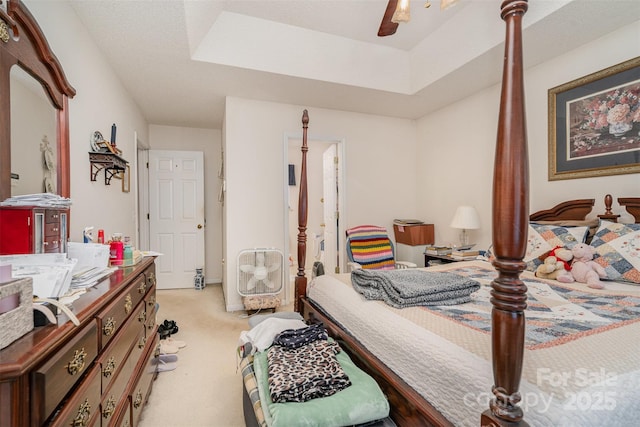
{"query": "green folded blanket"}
(359, 403)
(412, 287)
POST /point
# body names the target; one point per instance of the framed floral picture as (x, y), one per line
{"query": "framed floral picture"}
(594, 124)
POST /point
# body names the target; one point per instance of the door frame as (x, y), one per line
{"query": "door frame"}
(342, 197)
(141, 188)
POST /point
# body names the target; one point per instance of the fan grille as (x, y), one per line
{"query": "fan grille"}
(260, 272)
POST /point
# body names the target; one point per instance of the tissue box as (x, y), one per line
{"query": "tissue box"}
(16, 310)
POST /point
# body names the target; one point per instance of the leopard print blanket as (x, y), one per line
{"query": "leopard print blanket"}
(305, 373)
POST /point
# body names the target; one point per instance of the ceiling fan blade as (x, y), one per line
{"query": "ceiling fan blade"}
(386, 26)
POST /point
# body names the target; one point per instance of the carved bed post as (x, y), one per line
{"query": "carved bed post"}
(510, 223)
(301, 280)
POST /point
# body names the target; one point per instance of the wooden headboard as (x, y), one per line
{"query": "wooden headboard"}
(632, 204)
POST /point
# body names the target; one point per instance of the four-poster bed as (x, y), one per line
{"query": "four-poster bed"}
(508, 295)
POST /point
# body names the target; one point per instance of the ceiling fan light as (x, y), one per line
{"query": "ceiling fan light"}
(402, 13)
(446, 4)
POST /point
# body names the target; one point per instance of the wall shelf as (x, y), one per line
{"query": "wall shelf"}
(111, 163)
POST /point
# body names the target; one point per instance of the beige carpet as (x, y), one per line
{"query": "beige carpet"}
(204, 389)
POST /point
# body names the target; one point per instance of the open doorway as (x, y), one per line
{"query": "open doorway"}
(326, 195)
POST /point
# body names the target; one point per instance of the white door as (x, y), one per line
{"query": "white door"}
(330, 209)
(176, 210)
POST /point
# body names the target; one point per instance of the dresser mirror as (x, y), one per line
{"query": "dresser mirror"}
(33, 136)
(34, 119)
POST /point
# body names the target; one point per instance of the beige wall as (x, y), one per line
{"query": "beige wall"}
(456, 144)
(209, 142)
(380, 174)
(101, 100)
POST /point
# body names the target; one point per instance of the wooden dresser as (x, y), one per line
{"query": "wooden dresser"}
(99, 373)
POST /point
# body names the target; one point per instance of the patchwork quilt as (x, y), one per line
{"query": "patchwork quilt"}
(581, 360)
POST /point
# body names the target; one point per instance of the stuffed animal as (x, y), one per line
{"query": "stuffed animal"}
(556, 266)
(584, 269)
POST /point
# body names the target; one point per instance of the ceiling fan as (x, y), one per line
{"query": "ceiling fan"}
(387, 27)
(398, 11)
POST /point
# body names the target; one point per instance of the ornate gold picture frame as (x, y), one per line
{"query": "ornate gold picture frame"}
(594, 124)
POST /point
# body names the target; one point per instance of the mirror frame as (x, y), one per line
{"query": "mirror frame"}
(27, 47)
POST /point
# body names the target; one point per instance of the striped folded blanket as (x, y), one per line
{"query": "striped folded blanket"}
(412, 287)
(370, 247)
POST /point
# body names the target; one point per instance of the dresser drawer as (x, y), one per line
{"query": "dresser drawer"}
(51, 244)
(52, 215)
(150, 301)
(52, 229)
(115, 355)
(142, 387)
(113, 317)
(116, 395)
(150, 275)
(122, 417)
(83, 406)
(53, 379)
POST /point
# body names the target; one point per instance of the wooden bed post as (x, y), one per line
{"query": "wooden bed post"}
(301, 279)
(510, 225)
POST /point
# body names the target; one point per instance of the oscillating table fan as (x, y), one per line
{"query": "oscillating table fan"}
(260, 277)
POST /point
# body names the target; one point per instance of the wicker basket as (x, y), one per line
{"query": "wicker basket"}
(16, 310)
(259, 302)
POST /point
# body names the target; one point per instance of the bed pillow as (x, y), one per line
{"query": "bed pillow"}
(593, 225)
(543, 238)
(618, 250)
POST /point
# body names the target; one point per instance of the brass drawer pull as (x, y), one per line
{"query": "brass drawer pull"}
(82, 417)
(110, 368)
(142, 288)
(157, 352)
(138, 401)
(77, 363)
(128, 304)
(151, 279)
(152, 301)
(142, 342)
(109, 326)
(109, 407)
(142, 317)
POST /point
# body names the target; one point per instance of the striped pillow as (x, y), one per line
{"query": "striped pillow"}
(370, 247)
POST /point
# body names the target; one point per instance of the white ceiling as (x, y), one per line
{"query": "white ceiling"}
(180, 58)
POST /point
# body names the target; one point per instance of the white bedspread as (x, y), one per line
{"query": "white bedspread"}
(590, 381)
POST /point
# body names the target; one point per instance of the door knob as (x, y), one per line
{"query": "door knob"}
(199, 226)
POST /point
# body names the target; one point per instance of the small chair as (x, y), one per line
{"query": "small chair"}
(369, 247)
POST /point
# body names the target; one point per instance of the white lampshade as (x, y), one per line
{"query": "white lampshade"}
(466, 218)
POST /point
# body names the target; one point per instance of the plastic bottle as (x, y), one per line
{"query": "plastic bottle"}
(128, 255)
(101, 236)
(116, 250)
